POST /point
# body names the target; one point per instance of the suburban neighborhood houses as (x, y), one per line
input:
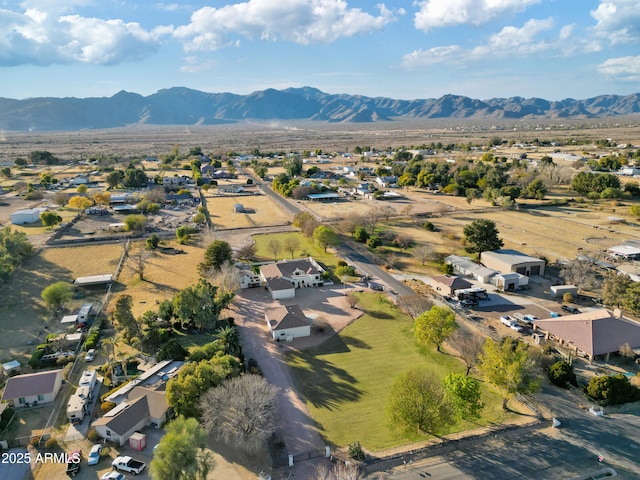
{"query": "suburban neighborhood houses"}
(257, 314)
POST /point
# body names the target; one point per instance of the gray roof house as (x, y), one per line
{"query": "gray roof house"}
(287, 322)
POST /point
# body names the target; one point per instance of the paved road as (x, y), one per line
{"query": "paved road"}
(563, 453)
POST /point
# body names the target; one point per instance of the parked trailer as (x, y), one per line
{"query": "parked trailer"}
(472, 294)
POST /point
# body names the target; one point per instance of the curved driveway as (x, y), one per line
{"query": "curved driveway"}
(298, 428)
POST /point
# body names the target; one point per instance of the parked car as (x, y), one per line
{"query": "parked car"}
(569, 309)
(128, 464)
(113, 475)
(506, 320)
(516, 327)
(73, 462)
(94, 455)
(91, 354)
(468, 303)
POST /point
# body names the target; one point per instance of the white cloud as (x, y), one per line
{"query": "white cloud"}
(299, 21)
(510, 41)
(42, 37)
(624, 68)
(445, 13)
(618, 21)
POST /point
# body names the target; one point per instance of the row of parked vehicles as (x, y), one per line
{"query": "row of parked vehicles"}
(119, 464)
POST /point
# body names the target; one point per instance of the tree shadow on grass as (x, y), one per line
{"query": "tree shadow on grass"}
(321, 382)
(379, 314)
(355, 342)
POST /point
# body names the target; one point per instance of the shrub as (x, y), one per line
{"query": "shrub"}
(92, 435)
(253, 367)
(106, 406)
(374, 242)
(356, 452)
(612, 390)
(562, 374)
(34, 361)
(51, 443)
(360, 235)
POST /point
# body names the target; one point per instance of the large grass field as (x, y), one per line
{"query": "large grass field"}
(307, 247)
(346, 381)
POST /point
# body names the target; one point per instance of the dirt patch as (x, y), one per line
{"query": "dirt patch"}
(258, 211)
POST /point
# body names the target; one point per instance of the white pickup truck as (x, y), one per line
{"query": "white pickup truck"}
(128, 464)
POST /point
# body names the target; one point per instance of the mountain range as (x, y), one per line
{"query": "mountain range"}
(184, 106)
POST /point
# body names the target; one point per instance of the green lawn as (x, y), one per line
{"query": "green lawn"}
(263, 252)
(346, 381)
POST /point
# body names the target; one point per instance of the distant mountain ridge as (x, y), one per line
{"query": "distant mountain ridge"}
(184, 106)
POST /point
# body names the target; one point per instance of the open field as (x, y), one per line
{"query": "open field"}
(164, 275)
(260, 211)
(22, 310)
(145, 140)
(346, 381)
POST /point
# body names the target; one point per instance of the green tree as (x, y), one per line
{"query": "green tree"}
(417, 402)
(183, 234)
(115, 178)
(218, 253)
(82, 189)
(435, 325)
(134, 177)
(481, 235)
(6, 172)
(152, 242)
(634, 210)
(360, 234)
(614, 289)
(230, 339)
(181, 453)
(49, 219)
(509, 366)
(124, 318)
(135, 223)
(561, 374)
(536, 189)
(185, 389)
(241, 412)
(325, 237)
(587, 182)
(464, 392)
(14, 248)
(172, 350)
(200, 304)
(56, 295)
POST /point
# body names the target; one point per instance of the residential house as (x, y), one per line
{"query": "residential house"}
(506, 261)
(282, 278)
(287, 322)
(387, 181)
(173, 182)
(597, 332)
(33, 388)
(447, 284)
(81, 179)
(118, 424)
(625, 252)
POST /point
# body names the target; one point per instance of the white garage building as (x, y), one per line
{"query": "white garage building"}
(287, 322)
(28, 215)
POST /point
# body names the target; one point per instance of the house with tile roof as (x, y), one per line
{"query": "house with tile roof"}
(448, 284)
(287, 322)
(592, 333)
(283, 277)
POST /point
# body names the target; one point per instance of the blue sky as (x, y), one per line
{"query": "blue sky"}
(406, 49)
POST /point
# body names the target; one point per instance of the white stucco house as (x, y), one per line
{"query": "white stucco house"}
(282, 278)
(287, 322)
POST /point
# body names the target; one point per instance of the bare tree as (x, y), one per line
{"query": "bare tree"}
(582, 272)
(352, 300)
(291, 244)
(403, 241)
(226, 278)
(414, 305)
(468, 346)
(371, 220)
(350, 222)
(386, 212)
(138, 261)
(442, 209)
(339, 471)
(274, 247)
(241, 411)
(422, 253)
(246, 251)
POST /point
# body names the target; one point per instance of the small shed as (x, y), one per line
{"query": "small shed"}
(138, 441)
(27, 215)
(560, 290)
(510, 281)
(10, 367)
(238, 208)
